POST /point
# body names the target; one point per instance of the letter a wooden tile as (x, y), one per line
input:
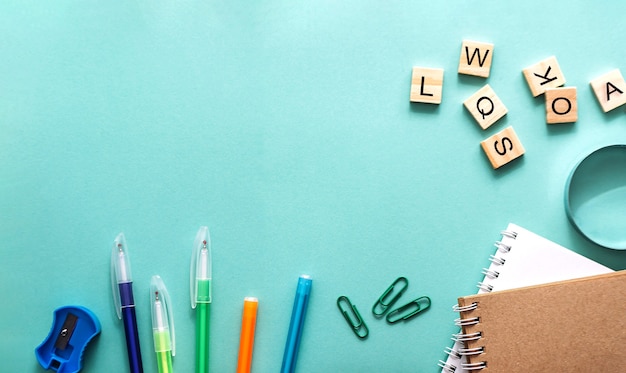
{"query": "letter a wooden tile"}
(610, 90)
(543, 75)
(503, 147)
(475, 58)
(426, 85)
(561, 105)
(485, 107)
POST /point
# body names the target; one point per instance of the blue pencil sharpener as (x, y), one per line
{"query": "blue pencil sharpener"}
(72, 329)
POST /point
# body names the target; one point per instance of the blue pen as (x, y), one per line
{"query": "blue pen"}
(122, 284)
(297, 322)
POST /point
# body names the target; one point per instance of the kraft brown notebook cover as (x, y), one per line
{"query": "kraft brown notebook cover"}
(567, 326)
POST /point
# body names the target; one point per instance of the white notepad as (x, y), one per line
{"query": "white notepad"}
(524, 258)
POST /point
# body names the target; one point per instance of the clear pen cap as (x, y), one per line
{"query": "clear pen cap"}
(200, 263)
(120, 270)
(162, 316)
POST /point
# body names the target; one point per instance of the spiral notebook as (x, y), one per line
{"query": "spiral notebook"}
(523, 258)
(566, 326)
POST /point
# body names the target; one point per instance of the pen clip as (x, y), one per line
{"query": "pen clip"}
(202, 240)
(162, 315)
(120, 270)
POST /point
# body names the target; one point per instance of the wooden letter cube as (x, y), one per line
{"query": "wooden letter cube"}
(610, 89)
(426, 85)
(561, 105)
(503, 147)
(485, 107)
(475, 58)
(543, 75)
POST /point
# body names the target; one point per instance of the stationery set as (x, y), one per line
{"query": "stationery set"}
(540, 308)
(201, 298)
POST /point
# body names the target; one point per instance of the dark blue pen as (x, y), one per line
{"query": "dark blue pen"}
(124, 303)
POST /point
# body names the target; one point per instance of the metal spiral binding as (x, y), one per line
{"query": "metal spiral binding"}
(467, 322)
(493, 274)
(447, 368)
(509, 234)
(471, 351)
(469, 307)
(496, 260)
(502, 246)
(485, 287)
(490, 273)
(452, 353)
(461, 337)
(474, 366)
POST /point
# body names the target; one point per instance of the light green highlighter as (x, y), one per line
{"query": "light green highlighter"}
(200, 288)
(162, 325)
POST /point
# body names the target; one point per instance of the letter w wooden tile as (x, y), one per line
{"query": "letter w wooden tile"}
(475, 58)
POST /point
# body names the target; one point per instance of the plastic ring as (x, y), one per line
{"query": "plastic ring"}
(595, 197)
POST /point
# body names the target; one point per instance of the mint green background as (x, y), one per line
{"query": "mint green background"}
(286, 128)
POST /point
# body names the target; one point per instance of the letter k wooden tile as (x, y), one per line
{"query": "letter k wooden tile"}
(543, 75)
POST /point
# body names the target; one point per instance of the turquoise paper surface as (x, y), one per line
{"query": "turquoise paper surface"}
(286, 128)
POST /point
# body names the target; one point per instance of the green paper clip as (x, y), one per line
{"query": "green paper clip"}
(420, 304)
(382, 303)
(356, 321)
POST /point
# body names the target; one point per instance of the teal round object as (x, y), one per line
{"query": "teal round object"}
(595, 197)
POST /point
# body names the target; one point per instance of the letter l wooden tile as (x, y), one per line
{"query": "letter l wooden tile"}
(426, 85)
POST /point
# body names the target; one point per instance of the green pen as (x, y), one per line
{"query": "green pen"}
(162, 325)
(200, 288)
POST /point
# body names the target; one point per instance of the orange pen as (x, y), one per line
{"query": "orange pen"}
(246, 341)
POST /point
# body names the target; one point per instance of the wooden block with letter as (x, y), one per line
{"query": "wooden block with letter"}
(426, 85)
(610, 90)
(543, 75)
(561, 105)
(503, 147)
(475, 58)
(485, 107)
